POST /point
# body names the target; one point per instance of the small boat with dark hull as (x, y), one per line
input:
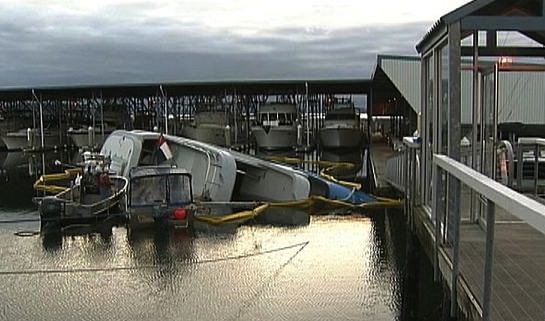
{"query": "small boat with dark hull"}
(94, 196)
(160, 195)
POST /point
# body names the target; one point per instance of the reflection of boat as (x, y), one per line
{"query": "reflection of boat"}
(341, 127)
(94, 197)
(211, 127)
(159, 194)
(277, 126)
(349, 156)
(224, 175)
(30, 138)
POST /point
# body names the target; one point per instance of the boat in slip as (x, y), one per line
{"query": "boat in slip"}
(94, 194)
(30, 139)
(88, 136)
(341, 127)
(276, 126)
(213, 126)
(159, 195)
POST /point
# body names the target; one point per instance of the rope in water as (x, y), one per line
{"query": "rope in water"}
(300, 245)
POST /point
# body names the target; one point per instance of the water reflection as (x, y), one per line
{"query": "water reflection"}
(345, 272)
(349, 156)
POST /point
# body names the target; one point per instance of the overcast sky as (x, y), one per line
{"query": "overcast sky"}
(58, 42)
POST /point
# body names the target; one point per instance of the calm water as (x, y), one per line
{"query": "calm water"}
(338, 267)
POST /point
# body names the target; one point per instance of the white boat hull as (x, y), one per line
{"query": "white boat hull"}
(81, 139)
(281, 137)
(340, 137)
(205, 133)
(19, 141)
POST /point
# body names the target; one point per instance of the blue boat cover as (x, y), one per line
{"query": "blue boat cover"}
(337, 191)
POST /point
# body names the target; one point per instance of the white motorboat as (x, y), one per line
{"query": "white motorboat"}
(277, 126)
(30, 139)
(88, 137)
(213, 127)
(341, 127)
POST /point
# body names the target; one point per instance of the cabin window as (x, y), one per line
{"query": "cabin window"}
(179, 189)
(273, 117)
(148, 190)
(282, 119)
(172, 190)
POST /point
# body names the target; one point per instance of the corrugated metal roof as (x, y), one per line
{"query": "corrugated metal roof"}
(404, 72)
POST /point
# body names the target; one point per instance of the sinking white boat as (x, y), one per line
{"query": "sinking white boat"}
(276, 127)
(341, 127)
(222, 175)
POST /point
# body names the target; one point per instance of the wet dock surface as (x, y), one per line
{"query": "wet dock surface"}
(342, 268)
(518, 291)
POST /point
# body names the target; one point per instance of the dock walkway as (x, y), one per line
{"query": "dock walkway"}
(518, 274)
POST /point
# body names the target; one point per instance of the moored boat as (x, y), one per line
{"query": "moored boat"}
(87, 137)
(276, 126)
(341, 127)
(211, 126)
(30, 139)
(94, 196)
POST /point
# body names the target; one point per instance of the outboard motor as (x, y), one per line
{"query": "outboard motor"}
(50, 210)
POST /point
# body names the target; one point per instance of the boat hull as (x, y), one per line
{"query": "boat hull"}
(81, 139)
(206, 133)
(339, 137)
(282, 137)
(19, 141)
(65, 206)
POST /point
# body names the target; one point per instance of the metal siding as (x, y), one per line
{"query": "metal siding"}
(522, 97)
(467, 96)
(405, 74)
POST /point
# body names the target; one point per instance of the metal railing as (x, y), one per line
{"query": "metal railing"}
(531, 144)
(495, 195)
(396, 167)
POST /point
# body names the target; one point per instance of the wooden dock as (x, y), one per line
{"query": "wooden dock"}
(381, 151)
(518, 286)
(518, 273)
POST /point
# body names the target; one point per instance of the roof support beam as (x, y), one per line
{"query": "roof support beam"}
(491, 38)
(467, 51)
(505, 23)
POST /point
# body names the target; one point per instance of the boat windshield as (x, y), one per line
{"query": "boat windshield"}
(161, 189)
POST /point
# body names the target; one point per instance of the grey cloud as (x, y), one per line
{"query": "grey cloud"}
(36, 50)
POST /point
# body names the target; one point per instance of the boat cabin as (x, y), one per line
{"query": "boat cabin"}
(159, 194)
(277, 115)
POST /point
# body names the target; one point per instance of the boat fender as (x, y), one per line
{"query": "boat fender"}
(180, 214)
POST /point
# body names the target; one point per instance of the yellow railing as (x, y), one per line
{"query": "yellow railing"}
(43, 183)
